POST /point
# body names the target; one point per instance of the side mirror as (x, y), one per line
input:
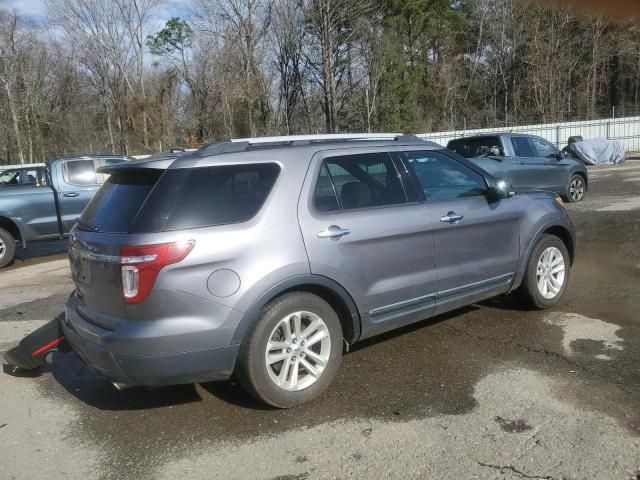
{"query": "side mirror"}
(500, 189)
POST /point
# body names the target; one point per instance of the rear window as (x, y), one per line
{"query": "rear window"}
(473, 147)
(116, 204)
(206, 196)
(80, 172)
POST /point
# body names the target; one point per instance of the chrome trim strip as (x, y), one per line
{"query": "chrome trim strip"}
(499, 279)
(415, 301)
(399, 305)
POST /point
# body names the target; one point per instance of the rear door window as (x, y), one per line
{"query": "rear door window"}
(522, 147)
(359, 181)
(34, 177)
(325, 198)
(207, 196)
(474, 146)
(80, 172)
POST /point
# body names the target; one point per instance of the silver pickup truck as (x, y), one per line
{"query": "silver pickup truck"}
(48, 207)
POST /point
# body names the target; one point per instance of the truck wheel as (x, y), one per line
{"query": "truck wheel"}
(546, 275)
(576, 188)
(7, 248)
(293, 353)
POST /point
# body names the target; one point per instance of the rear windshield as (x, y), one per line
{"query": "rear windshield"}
(474, 147)
(146, 201)
(116, 204)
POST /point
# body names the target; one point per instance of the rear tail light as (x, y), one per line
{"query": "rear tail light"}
(141, 264)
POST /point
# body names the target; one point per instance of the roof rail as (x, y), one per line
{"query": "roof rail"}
(319, 137)
(242, 144)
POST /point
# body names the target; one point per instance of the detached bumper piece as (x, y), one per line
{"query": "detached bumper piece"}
(29, 354)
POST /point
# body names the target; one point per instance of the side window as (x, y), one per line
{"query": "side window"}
(522, 147)
(476, 146)
(80, 172)
(33, 177)
(366, 180)
(324, 198)
(543, 148)
(11, 177)
(443, 178)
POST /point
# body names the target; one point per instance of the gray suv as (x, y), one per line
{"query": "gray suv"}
(527, 162)
(268, 257)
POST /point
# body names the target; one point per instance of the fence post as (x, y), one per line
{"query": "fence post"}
(608, 130)
(558, 136)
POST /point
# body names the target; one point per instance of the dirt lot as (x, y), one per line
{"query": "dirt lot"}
(489, 392)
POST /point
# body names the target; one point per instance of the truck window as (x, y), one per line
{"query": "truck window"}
(522, 147)
(474, 146)
(10, 177)
(80, 172)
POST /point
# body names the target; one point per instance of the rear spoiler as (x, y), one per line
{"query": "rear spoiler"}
(161, 163)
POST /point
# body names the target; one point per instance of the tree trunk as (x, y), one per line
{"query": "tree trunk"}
(16, 124)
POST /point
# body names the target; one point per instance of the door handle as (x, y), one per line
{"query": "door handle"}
(451, 217)
(334, 231)
(71, 194)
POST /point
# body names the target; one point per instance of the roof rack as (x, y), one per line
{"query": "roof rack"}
(319, 138)
(242, 144)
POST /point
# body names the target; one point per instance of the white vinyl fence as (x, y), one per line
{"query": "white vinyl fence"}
(626, 129)
(8, 167)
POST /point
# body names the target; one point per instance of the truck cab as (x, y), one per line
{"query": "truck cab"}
(40, 203)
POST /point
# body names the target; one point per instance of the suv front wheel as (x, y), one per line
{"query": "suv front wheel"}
(546, 275)
(293, 353)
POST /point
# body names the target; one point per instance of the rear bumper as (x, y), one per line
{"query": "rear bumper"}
(145, 368)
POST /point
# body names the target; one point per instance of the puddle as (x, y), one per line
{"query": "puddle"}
(577, 327)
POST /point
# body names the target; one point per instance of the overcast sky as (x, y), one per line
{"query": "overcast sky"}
(36, 9)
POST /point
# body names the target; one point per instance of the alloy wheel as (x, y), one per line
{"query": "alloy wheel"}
(550, 274)
(298, 351)
(576, 189)
(3, 248)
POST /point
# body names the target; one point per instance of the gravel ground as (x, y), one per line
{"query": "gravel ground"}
(487, 392)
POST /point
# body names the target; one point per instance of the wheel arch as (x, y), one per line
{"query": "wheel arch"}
(563, 234)
(327, 289)
(584, 176)
(556, 228)
(12, 227)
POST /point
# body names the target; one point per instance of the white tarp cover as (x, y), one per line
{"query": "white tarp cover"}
(599, 151)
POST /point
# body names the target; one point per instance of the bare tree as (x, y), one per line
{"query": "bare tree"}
(9, 65)
(331, 26)
(135, 15)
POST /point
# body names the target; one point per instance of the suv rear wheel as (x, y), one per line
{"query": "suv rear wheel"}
(7, 248)
(546, 275)
(293, 353)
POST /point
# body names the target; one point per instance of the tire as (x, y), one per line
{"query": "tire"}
(531, 292)
(7, 248)
(261, 379)
(576, 188)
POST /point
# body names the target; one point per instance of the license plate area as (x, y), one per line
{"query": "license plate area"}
(81, 269)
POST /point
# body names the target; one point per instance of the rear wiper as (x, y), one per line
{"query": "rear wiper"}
(86, 227)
